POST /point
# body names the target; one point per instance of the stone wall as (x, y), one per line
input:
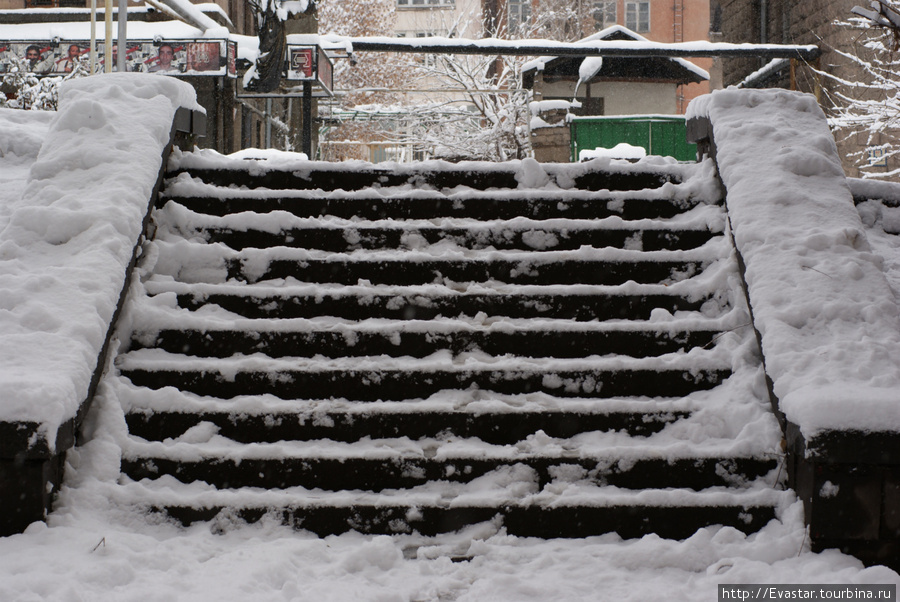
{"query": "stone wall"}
(552, 142)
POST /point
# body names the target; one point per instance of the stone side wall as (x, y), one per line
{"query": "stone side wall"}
(552, 143)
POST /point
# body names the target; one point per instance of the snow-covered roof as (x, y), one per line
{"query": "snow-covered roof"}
(618, 33)
(81, 30)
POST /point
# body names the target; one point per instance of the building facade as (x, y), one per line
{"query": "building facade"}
(657, 20)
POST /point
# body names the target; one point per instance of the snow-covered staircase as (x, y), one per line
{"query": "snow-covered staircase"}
(564, 352)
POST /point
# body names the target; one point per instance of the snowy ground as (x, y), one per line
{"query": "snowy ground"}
(90, 550)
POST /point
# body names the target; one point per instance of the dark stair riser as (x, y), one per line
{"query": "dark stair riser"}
(381, 474)
(343, 240)
(496, 429)
(407, 273)
(487, 208)
(327, 179)
(560, 344)
(582, 308)
(548, 523)
(375, 385)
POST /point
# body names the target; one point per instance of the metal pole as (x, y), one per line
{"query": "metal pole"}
(289, 140)
(107, 49)
(123, 34)
(268, 123)
(603, 48)
(246, 127)
(307, 118)
(93, 35)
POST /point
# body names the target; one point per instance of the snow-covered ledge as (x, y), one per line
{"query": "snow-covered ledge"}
(826, 317)
(65, 250)
(828, 320)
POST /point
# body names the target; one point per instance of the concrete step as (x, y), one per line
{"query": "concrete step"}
(369, 470)
(343, 239)
(328, 176)
(337, 422)
(498, 206)
(392, 341)
(377, 378)
(356, 303)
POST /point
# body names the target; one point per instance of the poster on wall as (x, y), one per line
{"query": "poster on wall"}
(169, 57)
(41, 57)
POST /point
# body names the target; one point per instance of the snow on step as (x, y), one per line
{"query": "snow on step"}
(413, 357)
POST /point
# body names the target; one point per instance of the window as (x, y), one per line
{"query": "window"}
(426, 59)
(519, 16)
(604, 13)
(425, 3)
(637, 16)
(715, 24)
(56, 3)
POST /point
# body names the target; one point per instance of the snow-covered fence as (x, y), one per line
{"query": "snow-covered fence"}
(827, 320)
(65, 257)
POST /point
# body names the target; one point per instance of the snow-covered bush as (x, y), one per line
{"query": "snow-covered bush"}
(21, 89)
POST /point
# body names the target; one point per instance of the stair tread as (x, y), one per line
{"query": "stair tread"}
(508, 486)
(330, 466)
(203, 184)
(227, 322)
(697, 218)
(153, 316)
(253, 230)
(202, 252)
(613, 448)
(477, 403)
(484, 207)
(437, 362)
(158, 284)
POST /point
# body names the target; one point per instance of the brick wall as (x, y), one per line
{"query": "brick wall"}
(806, 22)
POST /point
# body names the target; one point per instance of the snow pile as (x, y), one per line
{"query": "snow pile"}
(829, 321)
(590, 67)
(623, 150)
(65, 244)
(875, 189)
(21, 136)
(556, 111)
(273, 155)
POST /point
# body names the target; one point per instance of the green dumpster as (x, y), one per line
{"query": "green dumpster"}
(664, 135)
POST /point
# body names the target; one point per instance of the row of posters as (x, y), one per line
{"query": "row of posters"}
(172, 57)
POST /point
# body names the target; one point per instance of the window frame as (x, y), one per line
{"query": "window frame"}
(641, 16)
(522, 12)
(425, 4)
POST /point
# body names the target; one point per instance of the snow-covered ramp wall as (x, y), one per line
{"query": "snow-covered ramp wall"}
(828, 319)
(66, 246)
(823, 308)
